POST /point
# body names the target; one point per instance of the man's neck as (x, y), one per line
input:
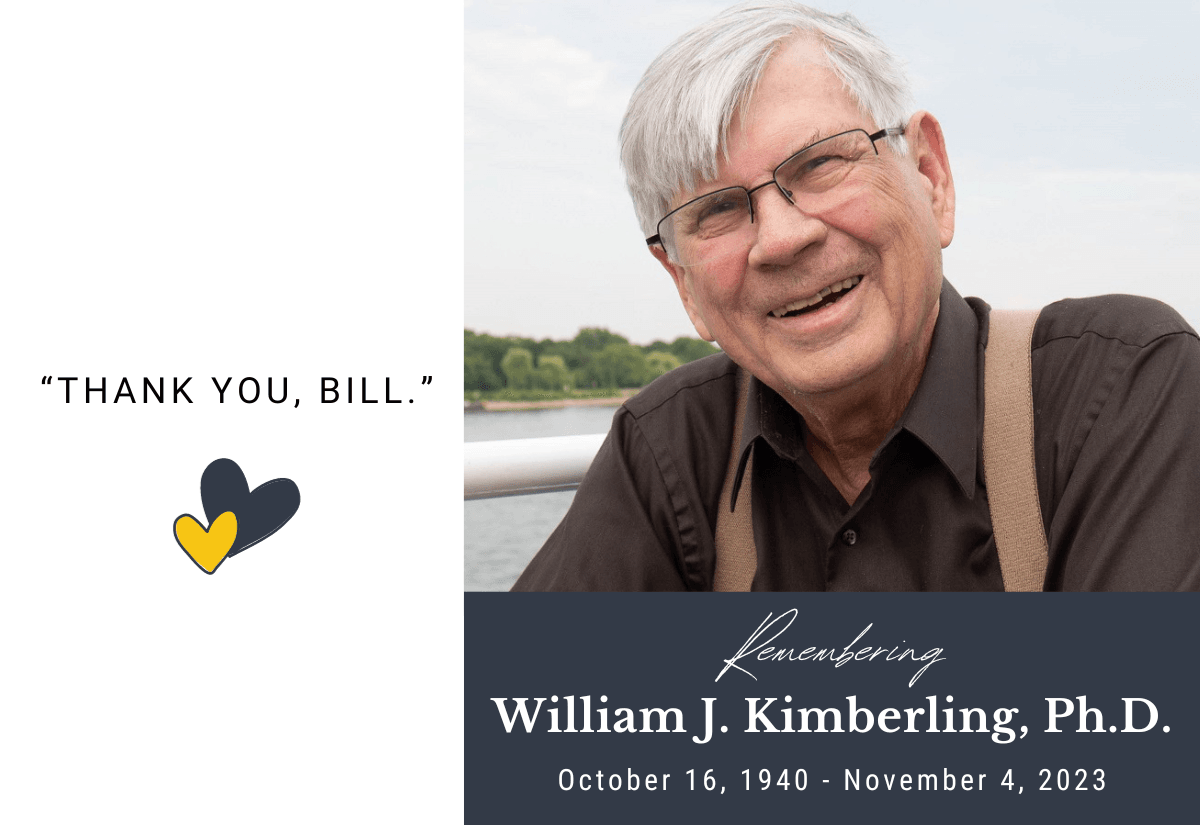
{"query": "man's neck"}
(844, 429)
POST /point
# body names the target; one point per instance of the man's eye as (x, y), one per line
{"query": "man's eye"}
(816, 174)
(716, 209)
(814, 164)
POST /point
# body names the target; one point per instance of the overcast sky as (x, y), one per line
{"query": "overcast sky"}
(1072, 135)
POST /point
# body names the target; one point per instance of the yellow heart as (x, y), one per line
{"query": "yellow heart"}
(207, 548)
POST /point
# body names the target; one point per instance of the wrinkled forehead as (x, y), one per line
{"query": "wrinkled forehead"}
(796, 100)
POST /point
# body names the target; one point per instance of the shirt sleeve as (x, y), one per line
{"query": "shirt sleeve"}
(621, 529)
(1120, 458)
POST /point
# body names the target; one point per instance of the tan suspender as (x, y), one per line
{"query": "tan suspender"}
(737, 559)
(1008, 451)
(1008, 467)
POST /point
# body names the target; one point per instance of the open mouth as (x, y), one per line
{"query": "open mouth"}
(824, 298)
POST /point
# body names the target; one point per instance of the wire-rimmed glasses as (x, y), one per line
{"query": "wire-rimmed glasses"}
(817, 178)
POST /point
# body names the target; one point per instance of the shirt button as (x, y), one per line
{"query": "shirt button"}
(849, 537)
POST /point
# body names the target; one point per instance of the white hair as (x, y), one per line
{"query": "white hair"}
(675, 126)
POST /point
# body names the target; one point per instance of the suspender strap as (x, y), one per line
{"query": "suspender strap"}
(737, 558)
(1008, 467)
(1008, 453)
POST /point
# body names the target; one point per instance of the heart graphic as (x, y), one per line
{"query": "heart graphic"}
(207, 548)
(223, 489)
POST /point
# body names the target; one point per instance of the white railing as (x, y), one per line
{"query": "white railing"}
(526, 465)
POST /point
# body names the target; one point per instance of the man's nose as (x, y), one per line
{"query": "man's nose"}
(783, 230)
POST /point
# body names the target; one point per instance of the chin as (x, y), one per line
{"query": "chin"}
(843, 371)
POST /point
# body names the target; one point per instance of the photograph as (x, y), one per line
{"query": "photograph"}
(1049, 172)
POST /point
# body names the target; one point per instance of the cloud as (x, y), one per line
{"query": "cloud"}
(529, 76)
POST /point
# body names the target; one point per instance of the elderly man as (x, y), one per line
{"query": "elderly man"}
(800, 203)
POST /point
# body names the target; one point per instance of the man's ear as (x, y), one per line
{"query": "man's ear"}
(683, 284)
(928, 145)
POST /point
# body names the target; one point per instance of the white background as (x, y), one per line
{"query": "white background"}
(231, 189)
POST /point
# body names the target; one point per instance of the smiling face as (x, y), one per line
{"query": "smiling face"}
(877, 252)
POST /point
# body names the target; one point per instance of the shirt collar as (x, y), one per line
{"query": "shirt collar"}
(943, 412)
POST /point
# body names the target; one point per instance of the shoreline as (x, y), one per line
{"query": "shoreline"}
(553, 404)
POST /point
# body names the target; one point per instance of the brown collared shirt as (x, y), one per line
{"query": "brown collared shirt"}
(1116, 389)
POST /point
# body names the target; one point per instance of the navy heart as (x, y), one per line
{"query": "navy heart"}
(223, 489)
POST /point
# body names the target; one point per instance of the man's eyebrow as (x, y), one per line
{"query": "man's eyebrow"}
(817, 135)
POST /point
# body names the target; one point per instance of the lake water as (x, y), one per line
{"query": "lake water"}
(503, 534)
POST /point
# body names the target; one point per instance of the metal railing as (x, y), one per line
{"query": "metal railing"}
(524, 466)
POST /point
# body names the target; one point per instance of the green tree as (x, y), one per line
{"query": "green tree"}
(565, 350)
(619, 365)
(660, 363)
(517, 366)
(475, 344)
(596, 338)
(478, 374)
(552, 373)
(691, 349)
(486, 348)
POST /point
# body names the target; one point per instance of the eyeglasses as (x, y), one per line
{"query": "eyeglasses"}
(815, 179)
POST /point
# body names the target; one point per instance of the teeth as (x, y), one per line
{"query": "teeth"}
(816, 299)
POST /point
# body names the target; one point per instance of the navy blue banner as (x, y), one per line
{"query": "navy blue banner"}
(590, 708)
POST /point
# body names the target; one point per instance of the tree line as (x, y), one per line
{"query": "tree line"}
(595, 358)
